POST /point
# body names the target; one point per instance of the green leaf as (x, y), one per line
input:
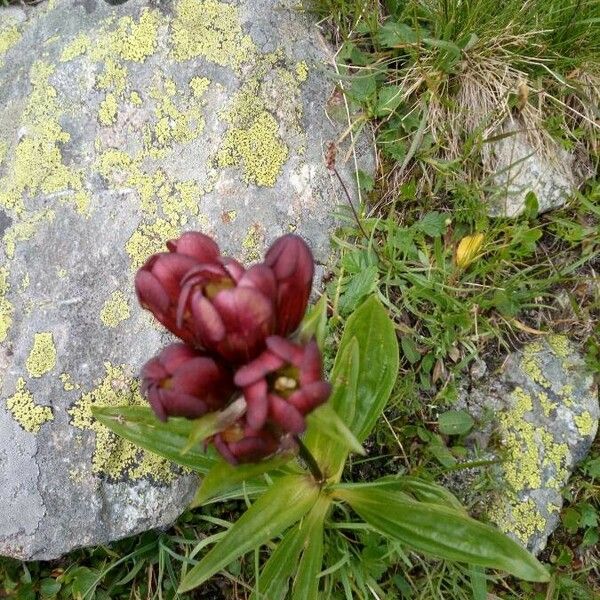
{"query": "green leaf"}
(329, 424)
(363, 86)
(223, 476)
(286, 502)
(442, 531)
(273, 582)
(49, 587)
(84, 583)
(344, 379)
(361, 285)
(420, 489)
(375, 335)
(365, 181)
(455, 422)
(306, 582)
(409, 349)
(393, 34)
(314, 323)
(389, 99)
(432, 224)
(139, 425)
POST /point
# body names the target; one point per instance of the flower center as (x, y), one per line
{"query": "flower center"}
(284, 382)
(214, 287)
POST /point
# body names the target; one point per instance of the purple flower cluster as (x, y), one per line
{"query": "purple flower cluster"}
(236, 325)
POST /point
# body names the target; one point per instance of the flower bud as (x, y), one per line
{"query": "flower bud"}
(292, 263)
(182, 382)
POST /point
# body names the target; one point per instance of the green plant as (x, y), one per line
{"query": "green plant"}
(298, 503)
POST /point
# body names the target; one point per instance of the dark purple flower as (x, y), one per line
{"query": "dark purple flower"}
(283, 384)
(292, 263)
(242, 444)
(230, 310)
(158, 282)
(182, 382)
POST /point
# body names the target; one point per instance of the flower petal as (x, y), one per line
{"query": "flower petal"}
(289, 352)
(257, 406)
(287, 416)
(266, 363)
(151, 294)
(208, 322)
(197, 245)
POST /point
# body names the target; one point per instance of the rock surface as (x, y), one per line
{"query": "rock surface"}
(521, 168)
(122, 127)
(543, 409)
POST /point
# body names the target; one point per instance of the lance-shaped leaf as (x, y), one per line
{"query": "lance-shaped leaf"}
(329, 424)
(442, 531)
(223, 476)
(306, 582)
(314, 323)
(274, 579)
(331, 454)
(285, 503)
(420, 489)
(139, 425)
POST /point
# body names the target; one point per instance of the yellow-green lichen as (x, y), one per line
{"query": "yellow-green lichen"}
(302, 71)
(76, 47)
(6, 308)
(37, 166)
(530, 364)
(42, 357)
(25, 229)
(560, 345)
(148, 239)
(210, 29)
(585, 423)
(113, 77)
(253, 242)
(258, 150)
(25, 282)
(115, 310)
(547, 405)
(107, 114)
(68, 382)
(131, 39)
(115, 457)
(26, 413)
(173, 123)
(135, 99)
(523, 520)
(9, 36)
(530, 451)
(199, 85)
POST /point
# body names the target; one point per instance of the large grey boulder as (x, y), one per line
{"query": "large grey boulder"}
(541, 413)
(121, 127)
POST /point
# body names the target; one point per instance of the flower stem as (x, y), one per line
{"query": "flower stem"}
(310, 461)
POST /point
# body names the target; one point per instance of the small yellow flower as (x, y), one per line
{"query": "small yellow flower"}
(467, 249)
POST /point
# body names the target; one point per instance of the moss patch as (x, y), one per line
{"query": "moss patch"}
(42, 357)
(115, 457)
(26, 413)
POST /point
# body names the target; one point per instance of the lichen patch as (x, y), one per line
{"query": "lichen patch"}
(26, 413)
(212, 30)
(115, 310)
(114, 457)
(37, 167)
(42, 357)
(6, 307)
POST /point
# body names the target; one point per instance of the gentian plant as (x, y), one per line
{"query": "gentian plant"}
(242, 401)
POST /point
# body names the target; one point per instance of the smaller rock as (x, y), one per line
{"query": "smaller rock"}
(520, 168)
(545, 408)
